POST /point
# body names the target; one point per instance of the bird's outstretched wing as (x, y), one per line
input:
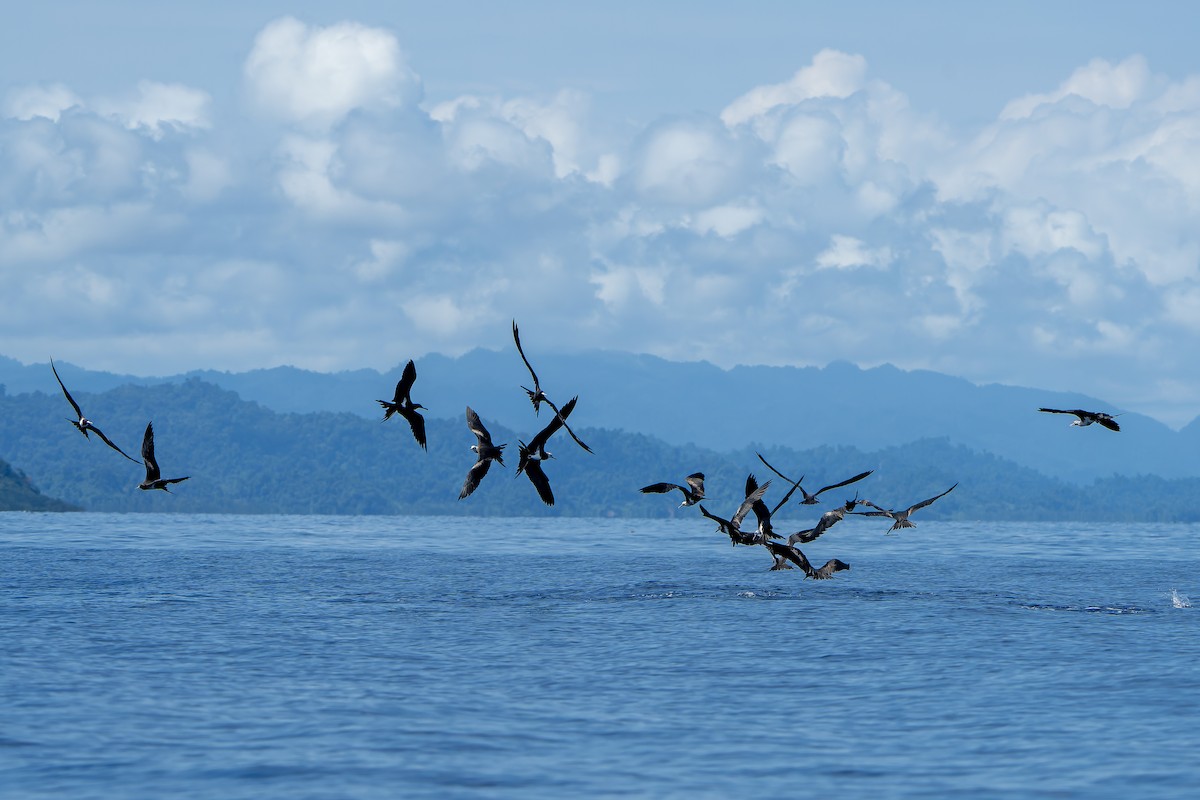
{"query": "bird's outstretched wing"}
(827, 521)
(563, 418)
(661, 488)
(538, 442)
(846, 482)
(826, 571)
(790, 492)
(152, 471)
(109, 442)
(474, 476)
(417, 423)
(924, 503)
(477, 428)
(405, 384)
(788, 496)
(777, 472)
(70, 399)
(761, 512)
(535, 395)
(721, 521)
(790, 553)
(539, 480)
(752, 495)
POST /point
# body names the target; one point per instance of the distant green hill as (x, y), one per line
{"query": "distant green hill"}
(245, 458)
(17, 493)
(696, 402)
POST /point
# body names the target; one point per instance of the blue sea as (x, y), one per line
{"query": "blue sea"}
(192, 656)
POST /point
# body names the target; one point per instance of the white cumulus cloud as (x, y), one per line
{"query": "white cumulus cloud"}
(831, 74)
(315, 76)
(817, 218)
(27, 102)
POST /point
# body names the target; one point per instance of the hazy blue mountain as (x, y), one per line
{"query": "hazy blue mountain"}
(244, 457)
(723, 410)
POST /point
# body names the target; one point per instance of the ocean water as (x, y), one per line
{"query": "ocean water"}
(153, 656)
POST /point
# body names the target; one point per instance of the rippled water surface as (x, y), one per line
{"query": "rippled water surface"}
(324, 657)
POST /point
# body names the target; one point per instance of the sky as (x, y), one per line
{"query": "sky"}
(1008, 194)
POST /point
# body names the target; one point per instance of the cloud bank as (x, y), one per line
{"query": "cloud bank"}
(335, 221)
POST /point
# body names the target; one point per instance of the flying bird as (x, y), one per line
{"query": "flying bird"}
(537, 396)
(763, 514)
(827, 521)
(732, 527)
(899, 518)
(403, 404)
(692, 493)
(82, 423)
(533, 454)
(811, 499)
(1086, 417)
(154, 478)
(783, 553)
(485, 451)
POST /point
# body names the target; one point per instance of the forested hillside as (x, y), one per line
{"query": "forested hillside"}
(682, 402)
(242, 457)
(17, 493)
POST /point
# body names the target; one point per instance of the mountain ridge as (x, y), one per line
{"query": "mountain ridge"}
(722, 409)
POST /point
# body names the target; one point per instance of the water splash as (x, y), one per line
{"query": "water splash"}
(1180, 600)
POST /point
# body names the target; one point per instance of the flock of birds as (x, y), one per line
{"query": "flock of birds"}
(782, 548)
(530, 456)
(154, 478)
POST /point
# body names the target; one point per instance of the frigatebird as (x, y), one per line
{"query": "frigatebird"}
(533, 454)
(761, 512)
(83, 424)
(154, 478)
(537, 396)
(692, 493)
(811, 499)
(1086, 417)
(780, 552)
(402, 402)
(732, 527)
(899, 518)
(485, 451)
(783, 553)
(827, 521)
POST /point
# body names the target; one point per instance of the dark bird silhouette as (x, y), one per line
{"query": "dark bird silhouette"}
(732, 527)
(154, 478)
(692, 493)
(783, 553)
(403, 404)
(82, 423)
(761, 512)
(533, 454)
(1086, 417)
(537, 396)
(827, 521)
(899, 518)
(811, 499)
(485, 451)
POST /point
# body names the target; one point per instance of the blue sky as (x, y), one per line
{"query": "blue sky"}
(1006, 193)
